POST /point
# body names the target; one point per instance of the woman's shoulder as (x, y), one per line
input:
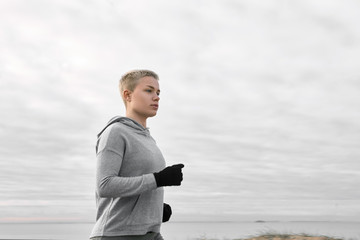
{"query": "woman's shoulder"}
(116, 129)
(113, 138)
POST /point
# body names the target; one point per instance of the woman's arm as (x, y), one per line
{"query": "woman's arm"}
(110, 185)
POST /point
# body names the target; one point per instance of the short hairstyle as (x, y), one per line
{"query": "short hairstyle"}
(131, 79)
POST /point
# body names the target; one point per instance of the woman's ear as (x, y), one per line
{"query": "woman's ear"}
(127, 95)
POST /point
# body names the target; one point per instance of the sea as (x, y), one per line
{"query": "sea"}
(186, 230)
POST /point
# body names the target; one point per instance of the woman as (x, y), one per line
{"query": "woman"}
(131, 169)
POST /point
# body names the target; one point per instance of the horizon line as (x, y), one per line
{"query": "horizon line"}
(188, 221)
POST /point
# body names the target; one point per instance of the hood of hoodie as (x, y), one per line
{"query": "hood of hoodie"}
(137, 127)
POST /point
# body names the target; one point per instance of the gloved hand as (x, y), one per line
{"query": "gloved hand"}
(166, 212)
(170, 176)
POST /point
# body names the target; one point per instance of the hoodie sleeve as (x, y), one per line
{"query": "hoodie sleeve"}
(109, 161)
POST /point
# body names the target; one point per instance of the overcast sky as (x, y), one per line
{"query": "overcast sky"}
(259, 99)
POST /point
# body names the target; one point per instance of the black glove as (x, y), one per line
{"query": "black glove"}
(170, 176)
(166, 212)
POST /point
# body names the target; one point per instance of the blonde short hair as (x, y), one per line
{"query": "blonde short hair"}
(131, 79)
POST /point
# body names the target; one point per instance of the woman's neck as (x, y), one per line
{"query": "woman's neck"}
(136, 117)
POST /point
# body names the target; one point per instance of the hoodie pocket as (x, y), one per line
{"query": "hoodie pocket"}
(145, 211)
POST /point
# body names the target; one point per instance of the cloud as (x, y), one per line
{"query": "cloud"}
(259, 100)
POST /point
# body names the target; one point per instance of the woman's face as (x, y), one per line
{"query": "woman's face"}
(144, 100)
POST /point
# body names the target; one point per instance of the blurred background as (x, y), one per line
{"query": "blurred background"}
(259, 99)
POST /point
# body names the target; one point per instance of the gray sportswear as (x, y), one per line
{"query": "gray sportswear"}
(127, 198)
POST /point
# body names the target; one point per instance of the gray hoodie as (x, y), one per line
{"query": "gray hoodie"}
(127, 198)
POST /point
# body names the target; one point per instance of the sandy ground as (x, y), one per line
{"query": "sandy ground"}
(290, 237)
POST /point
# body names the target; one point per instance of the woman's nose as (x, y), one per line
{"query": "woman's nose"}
(156, 98)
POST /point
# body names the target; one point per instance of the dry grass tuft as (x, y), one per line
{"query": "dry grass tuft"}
(290, 237)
